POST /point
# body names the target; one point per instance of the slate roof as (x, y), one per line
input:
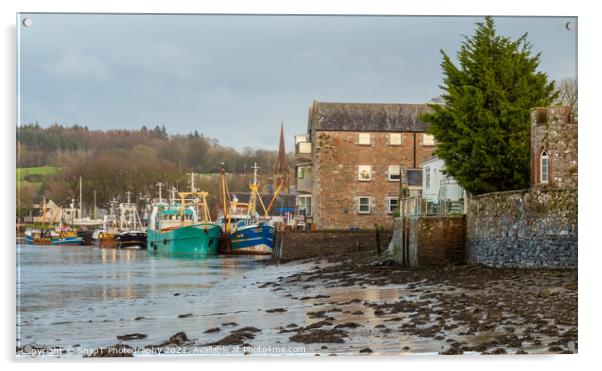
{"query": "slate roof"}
(366, 117)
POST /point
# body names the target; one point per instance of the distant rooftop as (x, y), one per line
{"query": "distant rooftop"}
(392, 117)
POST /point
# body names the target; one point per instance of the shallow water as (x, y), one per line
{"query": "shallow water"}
(82, 298)
(87, 296)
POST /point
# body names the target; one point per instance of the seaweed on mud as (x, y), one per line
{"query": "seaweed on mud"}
(320, 336)
(134, 336)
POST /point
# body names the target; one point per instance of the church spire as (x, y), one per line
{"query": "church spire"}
(281, 171)
(282, 166)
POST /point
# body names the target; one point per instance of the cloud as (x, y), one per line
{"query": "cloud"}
(235, 78)
(74, 66)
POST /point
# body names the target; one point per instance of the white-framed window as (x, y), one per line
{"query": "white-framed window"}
(304, 205)
(394, 139)
(364, 205)
(427, 177)
(393, 204)
(428, 140)
(364, 173)
(300, 173)
(364, 139)
(301, 138)
(544, 166)
(394, 173)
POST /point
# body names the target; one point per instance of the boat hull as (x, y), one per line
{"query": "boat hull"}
(131, 240)
(54, 241)
(202, 239)
(86, 236)
(252, 239)
(106, 241)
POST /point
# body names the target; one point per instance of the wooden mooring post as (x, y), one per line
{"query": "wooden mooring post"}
(378, 229)
(406, 242)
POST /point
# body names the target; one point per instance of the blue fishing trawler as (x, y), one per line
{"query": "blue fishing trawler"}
(246, 231)
(252, 239)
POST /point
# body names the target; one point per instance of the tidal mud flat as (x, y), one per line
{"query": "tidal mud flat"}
(447, 310)
(344, 305)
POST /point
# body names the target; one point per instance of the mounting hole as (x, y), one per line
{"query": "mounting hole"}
(27, 22)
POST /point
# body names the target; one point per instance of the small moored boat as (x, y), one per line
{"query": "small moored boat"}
(47, 234)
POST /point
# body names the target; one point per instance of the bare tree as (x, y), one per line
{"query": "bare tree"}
(438, 99)
(568, 93)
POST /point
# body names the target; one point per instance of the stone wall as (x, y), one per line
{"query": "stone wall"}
(292, 244)
(436, 240)
(530, 228)
(336, 187)
(429, 240)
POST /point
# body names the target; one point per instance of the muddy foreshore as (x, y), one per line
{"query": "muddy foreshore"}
(471, 308)
(361, 304)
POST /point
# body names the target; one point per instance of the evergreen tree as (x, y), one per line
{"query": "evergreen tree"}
(482, 127)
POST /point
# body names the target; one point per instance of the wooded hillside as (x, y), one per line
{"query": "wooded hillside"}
(113, 162)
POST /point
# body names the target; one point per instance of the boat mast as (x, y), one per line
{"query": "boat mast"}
(192, 187)
(252, 201)
(255, 194)
(80, 197)
(131, 218)
(44, 213)
(225, 199)
(172, 191)
(160, 185)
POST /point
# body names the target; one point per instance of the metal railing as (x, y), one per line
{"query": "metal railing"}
(417, 205)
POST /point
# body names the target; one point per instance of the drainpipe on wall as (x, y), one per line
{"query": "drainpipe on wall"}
(414, 150)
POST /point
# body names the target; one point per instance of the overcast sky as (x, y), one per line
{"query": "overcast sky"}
(235, 78)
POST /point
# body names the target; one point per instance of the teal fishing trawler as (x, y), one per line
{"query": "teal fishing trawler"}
(182, 226)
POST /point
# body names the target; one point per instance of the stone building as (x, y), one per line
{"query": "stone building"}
(351, 161)
(553, 147)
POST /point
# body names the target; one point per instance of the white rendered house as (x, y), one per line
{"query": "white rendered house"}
(437, 186)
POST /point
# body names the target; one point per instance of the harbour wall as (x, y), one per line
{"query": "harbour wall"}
(293, 244)
(527, 228)
(428, 240)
